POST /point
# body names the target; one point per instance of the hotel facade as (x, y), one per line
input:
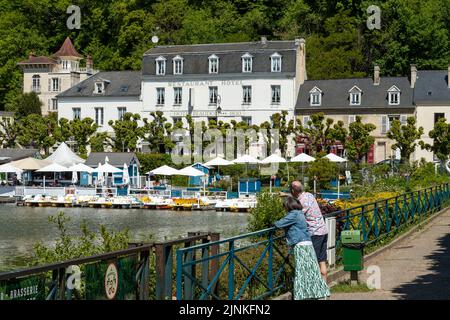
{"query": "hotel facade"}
(250, 82)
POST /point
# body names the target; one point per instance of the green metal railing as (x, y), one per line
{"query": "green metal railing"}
(251, 266)
(377, 220)
(387, 217)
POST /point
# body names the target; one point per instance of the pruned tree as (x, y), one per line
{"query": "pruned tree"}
(405, 137)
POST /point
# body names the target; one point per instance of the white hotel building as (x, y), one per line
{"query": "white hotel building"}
(229, 81)
(246, 81)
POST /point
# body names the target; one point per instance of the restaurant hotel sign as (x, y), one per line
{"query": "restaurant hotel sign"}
(203, 83)
(29, 288)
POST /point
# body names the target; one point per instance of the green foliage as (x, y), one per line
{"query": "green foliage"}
(359, 141)
(150, 161)
(28, 103)
(82, 132)
(117, 33)
(98, 142)
(37, 131)
(324, 171)
(441, 140)
(319, 134)
(269, 208)
(72, 247)
(405, 137)
(127, 132)
(9, 131)
(158, 132)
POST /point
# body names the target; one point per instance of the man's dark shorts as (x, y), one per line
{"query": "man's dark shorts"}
(320, 247)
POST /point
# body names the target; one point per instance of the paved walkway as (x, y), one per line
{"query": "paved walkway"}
(416, 268)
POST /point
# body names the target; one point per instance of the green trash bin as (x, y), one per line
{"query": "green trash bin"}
(353, 250)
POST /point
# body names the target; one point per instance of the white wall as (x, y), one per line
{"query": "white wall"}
(425, 119)
(88, 105)
(231, 95)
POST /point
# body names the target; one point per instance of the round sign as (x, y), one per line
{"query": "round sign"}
(155, 39)
(111, 281)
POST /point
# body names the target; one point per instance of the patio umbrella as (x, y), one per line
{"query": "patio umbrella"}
(303, 157)
(334, 158)
(30, 164)
(218, 162)
(191, 172)
(81, 167)
(9, 168)
(246, 159)
(164, 171)
(275, 158)
(126, 175)
(54, 167)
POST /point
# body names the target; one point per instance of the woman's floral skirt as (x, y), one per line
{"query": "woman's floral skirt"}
(308, 283)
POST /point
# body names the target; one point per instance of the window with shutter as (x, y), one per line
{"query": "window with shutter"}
(403, 119)
(384, 124)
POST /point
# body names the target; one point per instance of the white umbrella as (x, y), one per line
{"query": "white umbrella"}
(8, 168)
(246, 159)
(54, 167)
(218, 162)
(191, 172)
(164, 171)
(126, 176)
(303, 157)
(334, 158)
(106, 168)
(275, 158)
(81, 167)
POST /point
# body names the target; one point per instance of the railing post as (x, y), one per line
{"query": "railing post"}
(231, 271)
(179, 275)
(363, 222)
(190, 269)
(214, 264)
(387, 216)
(144, 278)
(164, 263)
(270, 262)
(61, 284)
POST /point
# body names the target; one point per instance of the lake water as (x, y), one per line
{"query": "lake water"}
(22, 227)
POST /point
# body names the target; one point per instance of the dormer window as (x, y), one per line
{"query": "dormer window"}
(315, 97)
(247, 62)
(394, 96)
(275, 62)
(213, 64)
(99, 87)
(355, 96)
(65, 64)
(177, 65)
(161, 66)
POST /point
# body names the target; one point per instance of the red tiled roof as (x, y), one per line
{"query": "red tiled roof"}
(38, 60)
(67, 50)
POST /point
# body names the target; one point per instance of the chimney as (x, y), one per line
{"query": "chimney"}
(376, 76)
(263, 40)
(89, 65)
(413, 75)
(448, 77)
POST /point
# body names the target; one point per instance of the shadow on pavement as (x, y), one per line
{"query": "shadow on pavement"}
(436, 284)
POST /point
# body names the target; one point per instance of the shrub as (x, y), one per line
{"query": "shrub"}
(324, 170)
(269, 209)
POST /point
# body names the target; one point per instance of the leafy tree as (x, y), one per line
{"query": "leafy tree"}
(441, 140)
(28, 103)
(9, 131)
(405, 137)
(359, 141)
(98, 142)
(38, 132)
(285, 128)
(319, 134)
(157, 132)
(127, 132)
(82, 132)
(322, 170)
